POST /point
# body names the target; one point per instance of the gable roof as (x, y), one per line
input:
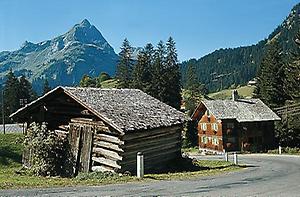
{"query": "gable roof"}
(243, 110)
(123, 109)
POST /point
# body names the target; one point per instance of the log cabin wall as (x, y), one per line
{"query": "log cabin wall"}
(111, 151)
(160, 146)
(210, 133)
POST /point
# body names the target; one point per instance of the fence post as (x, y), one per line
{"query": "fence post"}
(279, 150)
(140, 165)
(226, 156)
(235, 158)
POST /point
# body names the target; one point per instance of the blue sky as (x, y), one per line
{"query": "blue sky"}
(198, 26)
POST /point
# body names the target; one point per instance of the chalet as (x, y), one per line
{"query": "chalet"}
(234, 125)
(107, 127)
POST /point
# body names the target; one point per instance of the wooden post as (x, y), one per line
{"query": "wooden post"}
(235, 158)
(226, 156)
(279, 150)
(140, 165)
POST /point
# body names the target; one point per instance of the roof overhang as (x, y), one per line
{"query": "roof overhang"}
(38, 102)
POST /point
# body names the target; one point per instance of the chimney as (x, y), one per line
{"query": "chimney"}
(235, 95)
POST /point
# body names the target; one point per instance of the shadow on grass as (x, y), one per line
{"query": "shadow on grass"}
(8, 155)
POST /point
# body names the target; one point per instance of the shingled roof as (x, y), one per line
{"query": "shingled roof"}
(124, 109)
(243, 110)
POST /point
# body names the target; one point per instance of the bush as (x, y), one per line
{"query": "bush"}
(49, 152)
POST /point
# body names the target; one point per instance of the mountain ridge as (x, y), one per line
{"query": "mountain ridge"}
(62, 60)
(223, 68)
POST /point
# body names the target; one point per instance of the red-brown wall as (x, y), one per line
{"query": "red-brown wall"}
(209, 136)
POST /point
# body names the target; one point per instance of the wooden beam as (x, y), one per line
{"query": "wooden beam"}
(109, 138)
(107, 153)
(106, 161)
(108, 145)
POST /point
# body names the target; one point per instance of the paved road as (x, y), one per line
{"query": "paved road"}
(265, 176)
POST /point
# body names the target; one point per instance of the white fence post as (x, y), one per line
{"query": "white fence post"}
(235, 158)
(140, 165)
(226, 156)
(279, 150)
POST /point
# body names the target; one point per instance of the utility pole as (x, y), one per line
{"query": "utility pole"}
(3, 115)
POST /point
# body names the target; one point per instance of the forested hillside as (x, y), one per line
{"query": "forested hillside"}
(226, 67)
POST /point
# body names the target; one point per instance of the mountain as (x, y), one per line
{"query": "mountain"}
(62, 60)
(236, 66)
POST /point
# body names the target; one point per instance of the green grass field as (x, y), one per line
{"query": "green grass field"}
(244, 92)
(12, 176)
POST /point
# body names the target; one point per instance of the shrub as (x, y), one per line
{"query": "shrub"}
(49, 152)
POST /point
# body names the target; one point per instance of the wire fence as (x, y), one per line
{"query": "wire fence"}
(13, 128)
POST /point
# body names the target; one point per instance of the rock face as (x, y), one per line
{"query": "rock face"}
(62, 60)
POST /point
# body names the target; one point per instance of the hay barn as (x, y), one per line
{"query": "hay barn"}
(107, 127)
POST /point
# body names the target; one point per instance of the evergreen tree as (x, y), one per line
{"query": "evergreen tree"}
(141, 71)
(138, 73)
(157, 72)
(11, 94)
(87, 81)
(26, 91)
(270, 80)
(46, 87)
(124, 67)
(172, 76)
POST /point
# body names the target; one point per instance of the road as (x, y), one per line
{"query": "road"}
(265, 176)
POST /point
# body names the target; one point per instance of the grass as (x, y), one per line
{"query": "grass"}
(12, 176)
(110, 83)
(244, 91)
(286, 150)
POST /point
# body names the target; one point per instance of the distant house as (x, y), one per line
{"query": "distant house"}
(107, 127)
(235, 125)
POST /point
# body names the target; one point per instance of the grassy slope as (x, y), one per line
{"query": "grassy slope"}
(244, 92)
(12, 177)
(111, 83)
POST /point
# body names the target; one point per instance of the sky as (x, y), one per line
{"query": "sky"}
(198, 26)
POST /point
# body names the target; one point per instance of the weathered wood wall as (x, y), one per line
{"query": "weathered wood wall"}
(111, 151)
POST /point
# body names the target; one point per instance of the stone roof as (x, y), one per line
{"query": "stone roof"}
(243, 110)
(124, 109)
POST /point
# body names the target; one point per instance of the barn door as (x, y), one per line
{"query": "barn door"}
(80, 138)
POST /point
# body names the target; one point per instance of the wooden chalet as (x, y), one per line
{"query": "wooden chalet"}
(234, 125)
(107, 127)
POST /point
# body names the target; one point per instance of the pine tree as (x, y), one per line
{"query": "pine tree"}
(172, 76)
(26, 91)
(141, 71)
(124, 67)
(11, 94)
(46, 87)
(270, 80)
(157, 72)
(138, 73)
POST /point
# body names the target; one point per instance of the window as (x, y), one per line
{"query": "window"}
(215, 141)
(203, 126)
(204, 139)
(214, 126)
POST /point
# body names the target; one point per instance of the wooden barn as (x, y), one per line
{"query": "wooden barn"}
(234, 125)
(107, 127)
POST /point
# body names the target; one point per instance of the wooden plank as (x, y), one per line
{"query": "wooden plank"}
(146, 133)
(107, 153)
(106, 161)
(151, 141)
(102, 169)
(86, 151)
(108, 138)
(152, 150)
(74, 140)
(107, 145)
